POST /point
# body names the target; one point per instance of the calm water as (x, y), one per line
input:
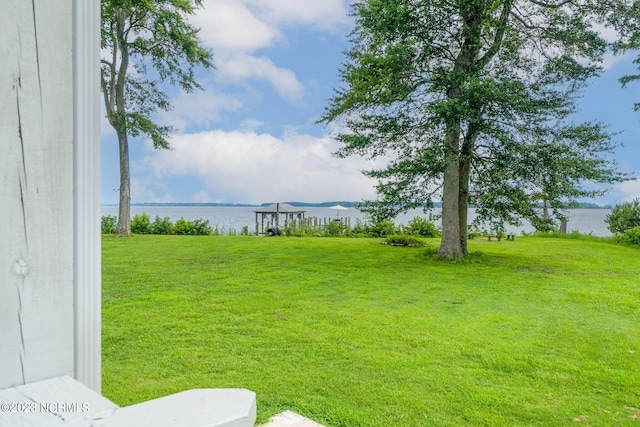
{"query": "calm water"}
(234, 218)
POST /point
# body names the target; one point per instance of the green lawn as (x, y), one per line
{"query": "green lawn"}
(349, 332)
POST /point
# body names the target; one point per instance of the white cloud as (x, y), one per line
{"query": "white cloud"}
(239, 68)
(201, 197)
(229, 26)
(248, 25)
(236, 29)
(106, 129)
(629, 190)
(146, 188)
(610, 59)
(200, 107)
(251, 125)
(327, 15)
(251, 167)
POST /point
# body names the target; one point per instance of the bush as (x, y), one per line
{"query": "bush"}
(421, 227)
(403, 240)
(360, 229)
(182, 226)
(544, 225)
(299, 229)
(624, 217)
(334, 229)
(197, 227)
(382, 228)
(631, 236)
(141, 224)
(162, 225)
(108, 224)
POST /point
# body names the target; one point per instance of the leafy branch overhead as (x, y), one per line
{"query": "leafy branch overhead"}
(139, 35)
(144, 43)
(471, 102)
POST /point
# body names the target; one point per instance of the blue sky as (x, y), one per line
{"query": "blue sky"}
(251, 137)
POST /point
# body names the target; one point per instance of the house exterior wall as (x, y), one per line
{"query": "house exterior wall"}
(36, 191)
(87, 212)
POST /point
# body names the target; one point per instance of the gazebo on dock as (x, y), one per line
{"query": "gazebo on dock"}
(274, 213)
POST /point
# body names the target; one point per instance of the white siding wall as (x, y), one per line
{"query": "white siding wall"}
(36, 191)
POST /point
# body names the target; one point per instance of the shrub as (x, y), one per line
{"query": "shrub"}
(544, 225)
(201, 227)
(631, 236)
(334, 229)
(108, 224)
(419, 226)
(291, 228)
(197, 227)
(624, 217)
(360, 229)
(141, 224)
(301, 228)
(403, 240)
(182, 226)
(382, 228)
(162, 225)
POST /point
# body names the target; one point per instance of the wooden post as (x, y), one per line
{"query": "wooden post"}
(87, 266)
(36, 192)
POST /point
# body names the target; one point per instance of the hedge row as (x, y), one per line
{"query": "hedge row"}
(141, 224)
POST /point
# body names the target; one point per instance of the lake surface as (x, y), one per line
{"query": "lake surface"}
(235, 218)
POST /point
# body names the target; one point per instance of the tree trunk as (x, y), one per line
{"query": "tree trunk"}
(454, 226)
(466, 156)
(463, 200)
(450, 246)
(123, 228)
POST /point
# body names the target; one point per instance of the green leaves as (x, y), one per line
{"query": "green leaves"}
(481, 90)
(632, 78)
(139, 35)
(148, 34)
(624, 217)
(552, 167)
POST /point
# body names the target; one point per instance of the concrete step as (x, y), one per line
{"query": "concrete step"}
(290, 419)
(63, 401)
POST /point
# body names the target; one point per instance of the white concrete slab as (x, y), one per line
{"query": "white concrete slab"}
(191, 408)
(290, 419)
(65, 402)
(51, 402)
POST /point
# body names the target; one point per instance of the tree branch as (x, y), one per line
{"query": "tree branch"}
(520, 19)
(550, 5)
(108, 105)
(497, 40)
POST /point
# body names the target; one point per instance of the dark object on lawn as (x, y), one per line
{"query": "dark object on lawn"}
(273, 231)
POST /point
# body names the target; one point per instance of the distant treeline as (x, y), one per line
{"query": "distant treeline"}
(316, 205)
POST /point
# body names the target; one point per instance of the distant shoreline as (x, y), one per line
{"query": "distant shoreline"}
(306, 204)
(242, 205)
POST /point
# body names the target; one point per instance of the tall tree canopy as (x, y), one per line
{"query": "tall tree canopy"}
(470, 100)
(138, 35)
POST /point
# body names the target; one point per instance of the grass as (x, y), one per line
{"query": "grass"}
(349, 332)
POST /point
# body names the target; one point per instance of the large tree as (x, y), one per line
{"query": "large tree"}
(470, 101)
(139, 35)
